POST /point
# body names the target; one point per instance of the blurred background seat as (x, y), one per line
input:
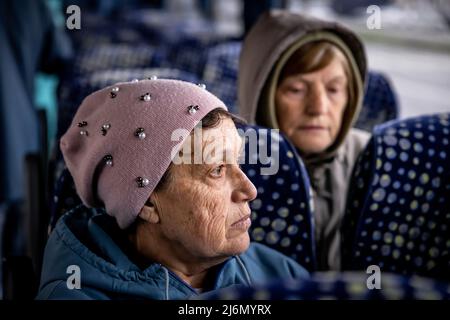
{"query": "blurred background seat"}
(398, 211)
(190, 53)
(221, 72)
(339, 286)
(117, 56)
(380, 102)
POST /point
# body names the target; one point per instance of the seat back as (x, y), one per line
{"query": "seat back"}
(221, 72)
(398, 211)
(109, 56)
(282, 212)
(190, 54)
(380, 102)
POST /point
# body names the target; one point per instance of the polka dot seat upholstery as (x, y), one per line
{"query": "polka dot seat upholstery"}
(169, 27)
(107, 56)
(339, 286)
(98, 29)
(380, 103)
(221, 72)
(190, 53)
(398, 215)
(282, 211)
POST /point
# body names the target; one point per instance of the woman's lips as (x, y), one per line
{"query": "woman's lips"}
(243, 223)
(311, 128)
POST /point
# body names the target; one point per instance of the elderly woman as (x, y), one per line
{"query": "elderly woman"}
(306, 77)
(168, 229)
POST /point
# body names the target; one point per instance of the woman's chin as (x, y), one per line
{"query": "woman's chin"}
(311, 146)
(239, 244)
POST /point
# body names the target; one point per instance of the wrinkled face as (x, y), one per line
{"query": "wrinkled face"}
(204, 209)
(310, 107)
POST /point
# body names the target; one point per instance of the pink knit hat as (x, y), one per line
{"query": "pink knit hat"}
(119, 144)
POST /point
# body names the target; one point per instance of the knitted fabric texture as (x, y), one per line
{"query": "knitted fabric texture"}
(123, 139)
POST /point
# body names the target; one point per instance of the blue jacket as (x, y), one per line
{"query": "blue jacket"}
(82, 246)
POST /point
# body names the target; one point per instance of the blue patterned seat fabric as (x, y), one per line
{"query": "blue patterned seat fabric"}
(398, 215)
(282, 212)
(97, 29)
(190, 53)
(380, 102)
(109, 56)
(221, 72)
(339, 286)
(170, 27)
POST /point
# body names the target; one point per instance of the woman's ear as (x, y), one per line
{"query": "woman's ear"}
(149, 212)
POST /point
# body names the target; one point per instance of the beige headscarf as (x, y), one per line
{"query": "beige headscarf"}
(270, 44)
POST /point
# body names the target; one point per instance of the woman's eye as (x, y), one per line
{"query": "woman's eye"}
(333, 90)
(218, 171)
(296, 90)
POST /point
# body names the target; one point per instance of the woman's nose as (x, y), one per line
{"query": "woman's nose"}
(244, 188)
(317, 103)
